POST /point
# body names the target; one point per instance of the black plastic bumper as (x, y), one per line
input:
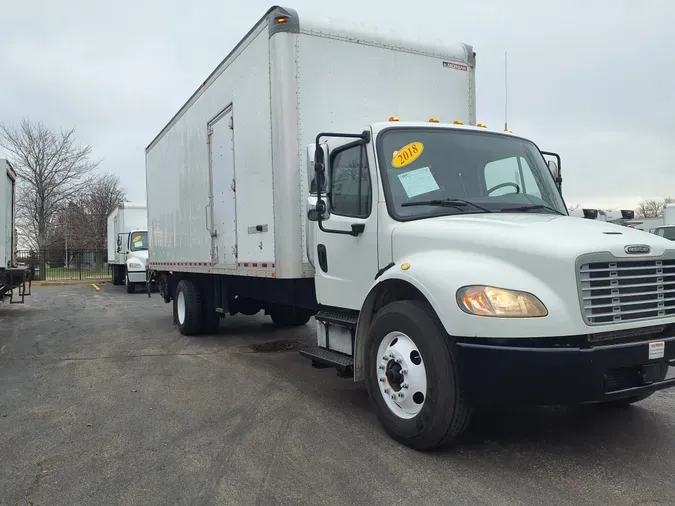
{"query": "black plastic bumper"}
(560, 372)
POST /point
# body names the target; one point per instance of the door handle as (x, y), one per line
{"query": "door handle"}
(206, 217)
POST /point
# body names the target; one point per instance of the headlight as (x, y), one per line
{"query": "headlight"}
(134, 265)
(500, 303)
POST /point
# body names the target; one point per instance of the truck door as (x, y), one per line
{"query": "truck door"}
(223, 217)
(346, 265)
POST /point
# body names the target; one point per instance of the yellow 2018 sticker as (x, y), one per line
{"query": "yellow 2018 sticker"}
(407, 154)
(137, 238)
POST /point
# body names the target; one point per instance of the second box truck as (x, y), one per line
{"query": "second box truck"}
(128, 245)
(336, 173)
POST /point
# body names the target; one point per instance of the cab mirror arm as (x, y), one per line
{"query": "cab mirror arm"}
(317, 214)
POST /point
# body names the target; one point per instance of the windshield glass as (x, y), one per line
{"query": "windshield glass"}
(489, 172)
(666, 232)
(139, 241)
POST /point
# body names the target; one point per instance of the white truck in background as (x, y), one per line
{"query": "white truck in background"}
(15, 282)
(437, 256)
(128, 245)
(667, 230)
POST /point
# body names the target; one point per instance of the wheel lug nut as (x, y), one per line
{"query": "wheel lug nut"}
(401, 395)
(385, 357)
(391, 355)
(393, 397)
(382, 368)
(382, 380)
(405, 385)
(386, 390)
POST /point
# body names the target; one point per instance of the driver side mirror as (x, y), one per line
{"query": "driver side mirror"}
(553, 168)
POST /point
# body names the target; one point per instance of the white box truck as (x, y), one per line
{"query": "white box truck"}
(128, 245)
(14, 281)
(437, 256)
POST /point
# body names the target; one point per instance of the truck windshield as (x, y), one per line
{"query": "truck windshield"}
(426, 171)
(666, 232)
(139, 241)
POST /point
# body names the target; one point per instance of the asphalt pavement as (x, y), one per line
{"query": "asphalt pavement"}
(102, 401)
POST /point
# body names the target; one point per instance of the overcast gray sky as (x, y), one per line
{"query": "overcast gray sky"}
(593, 80)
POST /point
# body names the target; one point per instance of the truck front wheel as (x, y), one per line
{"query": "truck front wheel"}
(412, 377)
(188, 308)
(131, 288)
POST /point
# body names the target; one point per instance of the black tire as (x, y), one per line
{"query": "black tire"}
(445, 414)
(289, 316)
(131, 287)
(117, 275)
(192, 321)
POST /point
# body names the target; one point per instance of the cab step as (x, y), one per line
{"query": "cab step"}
(321, 357)
(345, 318)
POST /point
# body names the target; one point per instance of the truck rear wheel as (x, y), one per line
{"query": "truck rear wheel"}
(116, 278)
(412, 377)
(289, 316)
(188, 308)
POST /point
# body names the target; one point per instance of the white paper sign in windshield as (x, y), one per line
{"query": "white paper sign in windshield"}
(418, 182)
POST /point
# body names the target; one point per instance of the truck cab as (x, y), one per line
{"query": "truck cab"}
(666, 231)
(449, 271)
(133, 249)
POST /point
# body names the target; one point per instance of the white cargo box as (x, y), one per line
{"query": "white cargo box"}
(227, 177)
(126, 218)
(7, 224)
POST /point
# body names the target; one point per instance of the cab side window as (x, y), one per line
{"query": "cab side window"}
(350, 188)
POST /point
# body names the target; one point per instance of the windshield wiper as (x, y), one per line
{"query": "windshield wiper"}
(531, 208)
(458, 203)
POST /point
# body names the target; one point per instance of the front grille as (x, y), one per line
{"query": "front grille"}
(627, 290)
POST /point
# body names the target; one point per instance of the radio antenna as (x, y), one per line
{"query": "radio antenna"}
(506, 93)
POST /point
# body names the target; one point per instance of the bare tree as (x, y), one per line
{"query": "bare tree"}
(652, 208)
(53, 169)
(83, 222)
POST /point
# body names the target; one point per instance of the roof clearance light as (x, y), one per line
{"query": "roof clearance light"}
(457, 122)
(481, 125)
(393, 118)
(281, 20)
(509, 131)
(433, 120)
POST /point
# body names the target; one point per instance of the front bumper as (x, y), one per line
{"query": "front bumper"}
(568, 370)
(137, 276)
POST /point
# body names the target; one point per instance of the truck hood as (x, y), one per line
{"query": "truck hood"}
(512, 236)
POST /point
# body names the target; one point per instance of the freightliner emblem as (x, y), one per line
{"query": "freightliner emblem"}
(637, 249)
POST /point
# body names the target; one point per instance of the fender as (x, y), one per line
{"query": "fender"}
(435, 277)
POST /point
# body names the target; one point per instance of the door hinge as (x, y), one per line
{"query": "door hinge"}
(231, 123)
(209, 130)
(233, 186)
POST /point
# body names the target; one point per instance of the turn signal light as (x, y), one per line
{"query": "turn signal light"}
(281, 20)
(393, 118)
(481, 125)
(433, 120)
(457, 122)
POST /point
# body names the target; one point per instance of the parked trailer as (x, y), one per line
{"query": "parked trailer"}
(437, 257)
(15, 282)
(128, 245)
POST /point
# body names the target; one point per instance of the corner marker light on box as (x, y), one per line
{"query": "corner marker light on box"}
(499, 303)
